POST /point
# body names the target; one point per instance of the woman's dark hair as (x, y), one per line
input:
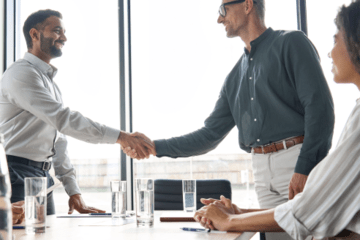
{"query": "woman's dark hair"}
(35, 20)
(348, 21)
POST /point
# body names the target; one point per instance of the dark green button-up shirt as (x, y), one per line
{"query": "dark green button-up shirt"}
(276, 91)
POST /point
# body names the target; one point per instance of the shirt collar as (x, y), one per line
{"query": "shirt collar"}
(47, 69)
(258, 40)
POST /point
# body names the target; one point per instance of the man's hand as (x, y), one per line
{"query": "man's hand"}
(297, 184)
(214, 216)
(136, 145)
(18, 212)
(76, 202)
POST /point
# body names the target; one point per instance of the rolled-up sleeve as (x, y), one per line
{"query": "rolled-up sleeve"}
(330, 200)
(287, 221)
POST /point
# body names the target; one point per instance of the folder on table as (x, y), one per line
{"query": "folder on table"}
(177, 217)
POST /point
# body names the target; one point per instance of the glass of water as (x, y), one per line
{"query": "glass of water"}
(35, 204)
(144, 198)
(189, 195)
(118, 199)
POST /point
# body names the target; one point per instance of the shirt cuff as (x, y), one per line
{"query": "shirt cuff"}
(111, 135)
(305, 165)
(71, 187)
(287, 221)
(161, 147)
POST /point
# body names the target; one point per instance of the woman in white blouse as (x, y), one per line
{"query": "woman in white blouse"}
(330, 202)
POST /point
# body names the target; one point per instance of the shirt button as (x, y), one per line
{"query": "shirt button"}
(255, 119)
(252, 99)
(251, 59)
(250, 78)
(258, 140)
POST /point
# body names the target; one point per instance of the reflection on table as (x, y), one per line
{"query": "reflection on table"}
(97, 228)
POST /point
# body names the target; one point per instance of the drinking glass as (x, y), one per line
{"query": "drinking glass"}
(5, 194)
(35, 204)
(118, 199)
(144, 198)
(189, 195)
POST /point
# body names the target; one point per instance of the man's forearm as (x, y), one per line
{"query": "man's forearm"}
(254, 221)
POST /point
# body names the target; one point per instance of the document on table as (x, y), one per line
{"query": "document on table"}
(86, 215)
(108, 222)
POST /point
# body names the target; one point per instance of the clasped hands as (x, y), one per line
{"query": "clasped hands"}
(136, 145)
(216, 214)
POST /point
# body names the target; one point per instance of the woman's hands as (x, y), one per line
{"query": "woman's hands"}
(217, 213)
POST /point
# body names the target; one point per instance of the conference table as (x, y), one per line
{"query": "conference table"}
(99, 228)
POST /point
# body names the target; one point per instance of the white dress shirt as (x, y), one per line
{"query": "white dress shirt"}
(330, 201)
(34, 120)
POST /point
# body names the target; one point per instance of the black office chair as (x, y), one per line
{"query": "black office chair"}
(168, 192)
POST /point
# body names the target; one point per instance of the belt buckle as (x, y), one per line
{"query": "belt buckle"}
(284, 144)
(46, 166)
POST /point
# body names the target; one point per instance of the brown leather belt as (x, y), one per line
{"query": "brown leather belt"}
(277, 146)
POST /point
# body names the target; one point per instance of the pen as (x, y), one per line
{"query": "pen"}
(50, 189)
(196, 229)
(109, 214)
(18, 227)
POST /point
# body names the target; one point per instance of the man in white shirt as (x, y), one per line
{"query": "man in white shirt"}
(34, 120)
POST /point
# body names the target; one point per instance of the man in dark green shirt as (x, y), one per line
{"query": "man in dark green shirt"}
(278, 98)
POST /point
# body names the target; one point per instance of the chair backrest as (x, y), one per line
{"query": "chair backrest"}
(168, 192)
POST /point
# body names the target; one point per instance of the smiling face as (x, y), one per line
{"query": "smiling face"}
(235, 19)
(343, 69)
(52, 37)
(49, 39)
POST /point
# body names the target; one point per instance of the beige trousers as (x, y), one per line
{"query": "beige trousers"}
(272, 175)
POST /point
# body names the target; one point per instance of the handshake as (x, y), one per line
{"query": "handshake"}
(136, 145)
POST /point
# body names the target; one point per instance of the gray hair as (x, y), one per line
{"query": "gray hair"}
(260, 9)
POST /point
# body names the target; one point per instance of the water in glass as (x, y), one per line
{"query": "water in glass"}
(118, 204)
(35, 214)
(189, 199)
(145, 208)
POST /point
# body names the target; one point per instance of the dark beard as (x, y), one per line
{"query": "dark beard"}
(47, 47)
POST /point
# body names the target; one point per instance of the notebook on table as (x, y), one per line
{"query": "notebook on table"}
(178, 216)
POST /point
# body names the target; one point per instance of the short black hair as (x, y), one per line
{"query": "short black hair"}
(35, 20)
(348, 21)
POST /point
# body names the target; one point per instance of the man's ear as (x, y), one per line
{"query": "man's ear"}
(249, 5)
(34, 34)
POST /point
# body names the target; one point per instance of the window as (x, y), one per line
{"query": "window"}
(88, 77)
(321, 31)
(180, 58)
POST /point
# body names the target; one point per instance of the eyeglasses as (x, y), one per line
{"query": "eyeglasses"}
(222, 9)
